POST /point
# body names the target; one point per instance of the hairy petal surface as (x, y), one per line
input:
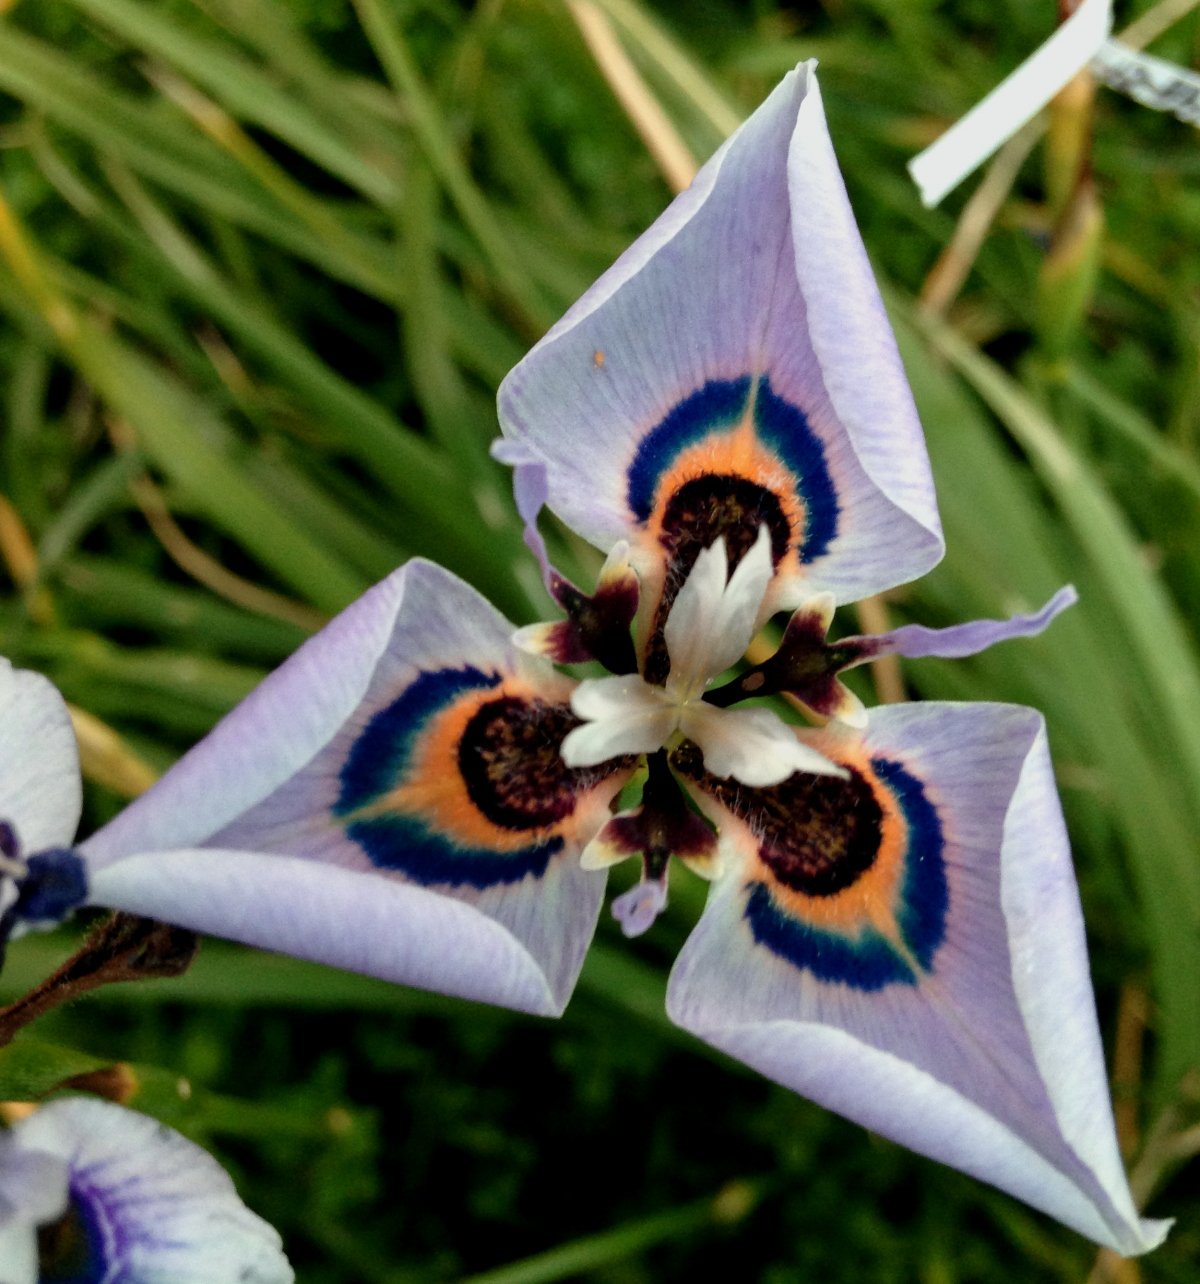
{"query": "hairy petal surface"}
(40, 792)
(145, 1204)
(393, 800)
(735, 368)
(906, 947)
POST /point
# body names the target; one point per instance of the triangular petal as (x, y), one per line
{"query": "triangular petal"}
(40, 792)
(409, 743)
(713, 381)
(910, 952)
(150, 1205)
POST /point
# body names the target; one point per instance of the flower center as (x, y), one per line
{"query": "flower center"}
(510, 761)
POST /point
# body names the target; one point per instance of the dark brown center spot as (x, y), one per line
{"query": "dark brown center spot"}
(510, 760)
(817, 834)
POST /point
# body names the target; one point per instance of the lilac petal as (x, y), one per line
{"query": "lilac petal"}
(732, 339)
(387, 753)
(33, 1186)
(18, 1252)
(959, 640)
(40, 793)
(934, 987)
(363, 923)
(530, 492)
(152, 1205)
(637, 908)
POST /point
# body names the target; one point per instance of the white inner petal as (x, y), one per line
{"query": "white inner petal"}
(714, 617)
(709, 628)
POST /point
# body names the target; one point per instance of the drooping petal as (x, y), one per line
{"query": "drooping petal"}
(40, 793)
(410, 754)
(530, 493)
(146, 1204)
(734, 368)
(906, 947)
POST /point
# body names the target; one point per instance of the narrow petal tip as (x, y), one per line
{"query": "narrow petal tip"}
(637, 908)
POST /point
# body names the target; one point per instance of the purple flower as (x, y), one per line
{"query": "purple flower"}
(420, 794)
(91, 1191)
(41, 878)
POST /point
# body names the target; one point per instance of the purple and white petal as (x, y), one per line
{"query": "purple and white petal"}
(407, 759)
(40, 791)
(733, 368)
(959, 640)
(147, 1204)
(908, 949)
(531, 490)
(361, 922)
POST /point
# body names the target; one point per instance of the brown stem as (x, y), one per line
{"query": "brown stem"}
(123, 948)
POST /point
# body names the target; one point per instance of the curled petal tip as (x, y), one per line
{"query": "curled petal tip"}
(556, 640)
(960, 640)
(637, 908)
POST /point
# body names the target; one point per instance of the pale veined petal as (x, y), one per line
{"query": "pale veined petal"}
(378, 926)
(146, 1204)
(906, 947)
(40, 792)
(408, 746)
(734, 368)
(634, 732)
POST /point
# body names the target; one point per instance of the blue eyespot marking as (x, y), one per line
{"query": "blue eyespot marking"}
(89, 1241)
(866, 960)
(382, 752)
(867, 963)
(926, 895)
(409, 846)
(781, 427)
(718, 404)
(786, 430)
(56, 884)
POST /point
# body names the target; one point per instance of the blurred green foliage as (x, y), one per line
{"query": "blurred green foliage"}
(271, 259)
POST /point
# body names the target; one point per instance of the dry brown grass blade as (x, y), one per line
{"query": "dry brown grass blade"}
(195, 562)
(671, 154)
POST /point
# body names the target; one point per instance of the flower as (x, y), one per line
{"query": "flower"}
(41, 878)
(420, 794)
(91, 1191)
